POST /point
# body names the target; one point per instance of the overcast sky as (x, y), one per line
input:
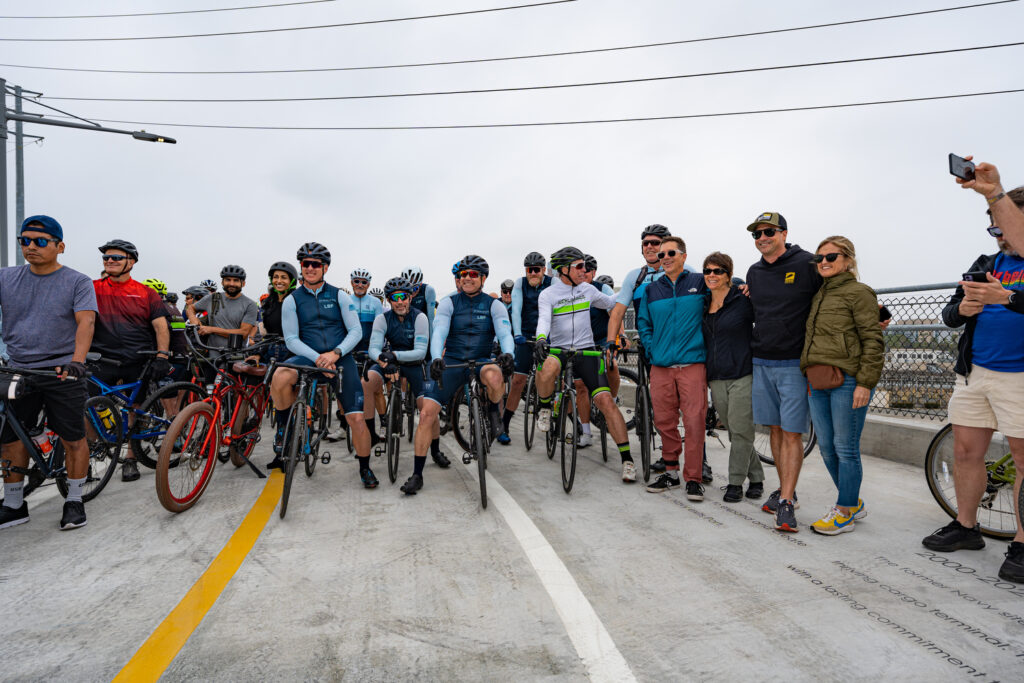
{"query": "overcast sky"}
(385, 200)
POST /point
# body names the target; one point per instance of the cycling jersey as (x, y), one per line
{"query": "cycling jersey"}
(177, 321)
(465, 327)
(634, 283)
(599, 318)
(367, 308)
(524, 306)
(564, 314)
(124, 324)
(316, 322)
(425, 301)
(407, 338)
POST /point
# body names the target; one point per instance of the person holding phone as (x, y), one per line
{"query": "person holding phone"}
(1003, 209)
(989, 391)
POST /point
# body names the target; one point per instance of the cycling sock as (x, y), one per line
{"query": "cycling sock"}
(545, 402)
(280, 417)
(624, 452)
(418, 462)
(75, 487)
(364, 463)
(435, 447)
(586, 427)
(372, 424)
(12, 495)
(506, 418)
(495, 407)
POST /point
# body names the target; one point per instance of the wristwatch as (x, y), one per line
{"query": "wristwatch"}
(1012, 298)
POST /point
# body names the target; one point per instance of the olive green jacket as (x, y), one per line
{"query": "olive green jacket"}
(843, 330)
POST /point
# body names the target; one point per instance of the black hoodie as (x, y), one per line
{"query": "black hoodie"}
(727, 337)
(781, 293)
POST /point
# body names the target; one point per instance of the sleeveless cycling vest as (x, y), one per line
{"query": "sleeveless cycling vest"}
(528, 322)
(472, 328)
(400, 334)
(321, 327)
(419, 302)
(599, 324)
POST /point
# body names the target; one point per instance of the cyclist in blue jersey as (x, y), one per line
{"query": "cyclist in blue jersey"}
(368, 307)
(464, 328)
(321, 327)
(424, 299)
(525, 292)
(506, 295)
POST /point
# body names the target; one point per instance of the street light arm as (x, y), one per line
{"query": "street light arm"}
(138, 135)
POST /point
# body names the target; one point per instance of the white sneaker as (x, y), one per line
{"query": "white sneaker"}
(544, 419)
(585, 440)
(336, 435)
(628, 471)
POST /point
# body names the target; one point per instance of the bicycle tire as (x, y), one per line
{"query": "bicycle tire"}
(34, 479)
(551, 436)
(476, 416)
(604, 441)
(152, 409)
(1020, 508)
(294, 439)
(566, 421)
(199, 437)
(529, 412)
(455, 421)
(104, 446)
(762, 443)
(392, 432)
(626, 373)
(247, 423)
(320, 416)
(644, 432)
(410, 411)
(938, 462)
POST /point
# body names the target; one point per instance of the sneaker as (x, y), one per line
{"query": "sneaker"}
(368, 479)
(276, 464)
(12, 517)
(585, 440)
(74, 515)
(664, 483)
(755, 490)
(279, 442)
(694, 491)
(1013, 565)
(834, 523)
(706, 475)
(658, 465)
(440, 460)
(628, 471)
(338, 434)
(544, 419)
(772, 504)
(785, 517)
(733, 493)
(504, 439)
(954, 536)
(130, 471)
(497, 426)
(859, 512)
(412, 485)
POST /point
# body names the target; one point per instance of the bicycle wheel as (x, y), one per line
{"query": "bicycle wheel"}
(104, 442)
(458, 418)
(392, 432)
(295, 439)
(644, 432)
(245, 428)
(567, 421)
(410, 412)
(763, 445)
(631, 381)
(154, 417)
(530, 412)
(996, 515)
(476, 417)
(187, 457)
(320, 417)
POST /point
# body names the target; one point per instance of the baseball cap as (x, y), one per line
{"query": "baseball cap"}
(45, 224)
(770, 218)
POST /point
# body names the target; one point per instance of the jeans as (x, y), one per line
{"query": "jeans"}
(838, 427)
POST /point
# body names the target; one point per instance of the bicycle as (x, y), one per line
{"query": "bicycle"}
(643, 414)
(401, 405)
(996, 514)
(763, 446)
(563, 409)
(477, 446)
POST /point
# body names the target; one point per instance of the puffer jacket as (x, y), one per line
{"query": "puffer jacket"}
(843, 330)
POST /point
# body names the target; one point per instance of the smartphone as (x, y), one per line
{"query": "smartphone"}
(884, 314)
(975, 276)
(960, 167)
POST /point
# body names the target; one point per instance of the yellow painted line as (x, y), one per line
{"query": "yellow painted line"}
(163, 645)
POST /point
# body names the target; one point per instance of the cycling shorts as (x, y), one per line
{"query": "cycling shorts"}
(64, 403)
(412, 373)
(452, 381)
(113, 374)
(524, 359)
(349, 388)
(589, 368)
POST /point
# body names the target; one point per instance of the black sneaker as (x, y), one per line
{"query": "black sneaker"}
(954, 536)
(706, 476)
(278, 444)
(74, 515)
(441, 460)
(694, 491)
(276, 464)
(1013, 565)
(785, 517)
(368, 479)
(658, 465)
(663, 483)
(497, 426)
(733, 493)
(130, 471)
(412, 485)
(12, 516)
(772, 504)
(755, 490)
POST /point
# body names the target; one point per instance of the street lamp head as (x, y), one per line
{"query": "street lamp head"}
(150, 137)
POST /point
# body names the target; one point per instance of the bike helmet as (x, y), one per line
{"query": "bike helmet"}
(361, 273)
(605, 280)
(314, 250)
(208, 285)
(657, 230)
(286, 267)
(124, 245)
(565, 256)
(590, 262)
(413, 274)
(171, 298)
(506, 286)
(232, 271)
(195, 292)
(377, 293)
(455, 268)
(474, 262)
(398, 284)
(157, 286)
(534, 259)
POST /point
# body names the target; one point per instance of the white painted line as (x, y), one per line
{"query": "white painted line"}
(595, 647)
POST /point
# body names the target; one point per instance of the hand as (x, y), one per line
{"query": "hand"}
(744, 289)
(254, 360)
(861, 397)
(204, 330)
(327, 359)
(986, 180)
(969, 309)
(437, 367)
(160, 367)
(74, 370)
(387, 358)
(991, 292)
(507, 362)
(626, 343)
(540, 350)
(519, 339)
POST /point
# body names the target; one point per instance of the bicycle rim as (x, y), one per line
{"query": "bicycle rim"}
(393, 439)
(410, 410)
(244, 429)
(147, 432)
(320, 422)
(104, 445)
(643, 432)
(567, 420)
(182, 474)
(294, 439)
(477, 418)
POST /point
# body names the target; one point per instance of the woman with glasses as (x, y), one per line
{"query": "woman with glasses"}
(284, 278)
(727, 325)
(842, 358)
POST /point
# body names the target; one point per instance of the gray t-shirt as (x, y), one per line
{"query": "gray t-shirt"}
(39, 314)
(229, 314)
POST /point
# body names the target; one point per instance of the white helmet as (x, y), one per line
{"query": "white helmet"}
(413, 274)
(362, 274)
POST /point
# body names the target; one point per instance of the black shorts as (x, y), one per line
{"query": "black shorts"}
(589, 367)
(112, 374)
(64, 403)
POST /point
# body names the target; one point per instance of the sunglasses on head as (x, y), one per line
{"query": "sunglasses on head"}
(471, 274)
(831, 258)
(533, 270)
(993, 230)
(41, 242)
(671, 253)
(359, 281)
(399, 296)
(110, 257)
(312, 264)
(768, 232)
(651, 243)
(715, 271)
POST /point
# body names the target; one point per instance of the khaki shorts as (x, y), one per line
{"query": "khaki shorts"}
(990, 400)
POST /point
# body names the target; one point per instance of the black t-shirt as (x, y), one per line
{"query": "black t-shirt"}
(271, 310)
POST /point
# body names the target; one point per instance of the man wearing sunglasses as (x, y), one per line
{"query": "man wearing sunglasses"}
(599, 326)
(424, 299)
(637, 279)
(368, 307)
(781, 286)
(49, 312)
(525, 293)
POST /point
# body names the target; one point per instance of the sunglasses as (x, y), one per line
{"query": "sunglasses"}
(579, 266)
(533, 270)
(993, 230)
(651, 243)
(399, 296)
(471, 274)
(831, 258)
(768, 232)
(41, 242)
(715, 271)
(671, 253)
(360, 281)
(312, 264)
(106, 257)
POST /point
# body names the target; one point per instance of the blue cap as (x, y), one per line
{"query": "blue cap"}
(45, 224)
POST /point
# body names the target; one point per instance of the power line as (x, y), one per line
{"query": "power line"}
(291, 28)
(532, 87)
(160, 14)
(517, 57)
(676, 117)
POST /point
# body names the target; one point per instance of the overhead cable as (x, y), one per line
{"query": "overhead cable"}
(160, 14)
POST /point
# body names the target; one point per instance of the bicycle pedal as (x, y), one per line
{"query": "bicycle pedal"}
(378, 450)
(466, 458)
(325, 457)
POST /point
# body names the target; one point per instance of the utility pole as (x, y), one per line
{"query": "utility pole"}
(19, 167)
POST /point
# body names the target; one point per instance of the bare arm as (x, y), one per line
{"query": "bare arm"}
(86, 321)
(1005, 213)
(163, 334)
(616, 317)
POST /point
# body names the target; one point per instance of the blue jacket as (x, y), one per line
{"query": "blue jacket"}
(669, 320)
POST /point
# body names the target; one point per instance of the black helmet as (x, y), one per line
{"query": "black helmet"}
(195, 291)
(286, 267)
(171, 298)
(657, 230)
(314, 250)
(398, 284)
(589, 262)
(232, 271)
(124, 245)
(605, 280)
(534, 259)
(474, 262)
(564, 257)
(507, 286)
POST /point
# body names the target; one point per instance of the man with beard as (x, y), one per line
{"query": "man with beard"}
(228, 313)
